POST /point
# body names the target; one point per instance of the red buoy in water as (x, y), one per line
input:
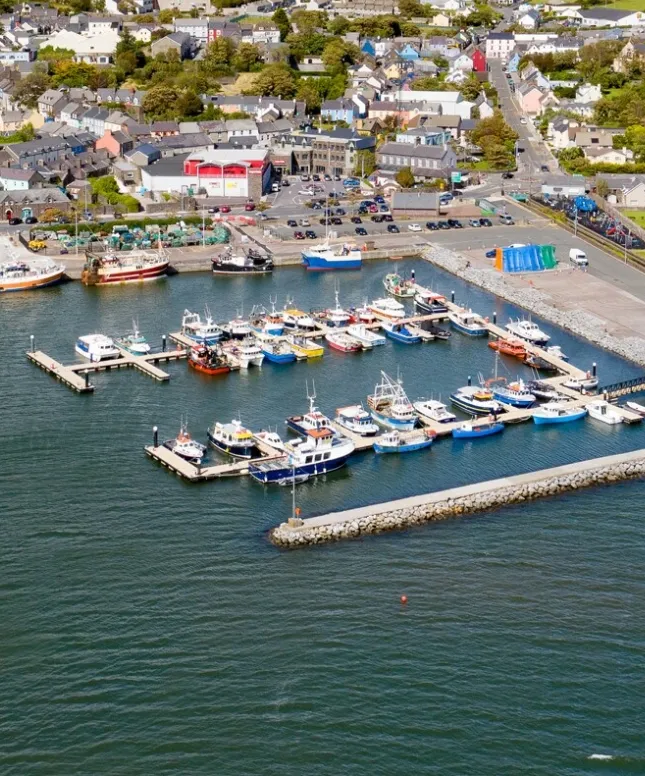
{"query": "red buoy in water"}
(404, 599)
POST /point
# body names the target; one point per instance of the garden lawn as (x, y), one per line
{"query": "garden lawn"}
(624, 5)
(638, 216)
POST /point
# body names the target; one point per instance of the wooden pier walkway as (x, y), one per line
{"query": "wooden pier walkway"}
(76, 376)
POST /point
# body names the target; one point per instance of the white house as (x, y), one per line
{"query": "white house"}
(610, 17)
(529, 20)
(93, 49)
(451, 103)
(588, 94)
(499, 45)
(463, 62)
(12, 179)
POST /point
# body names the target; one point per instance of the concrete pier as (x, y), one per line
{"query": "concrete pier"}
(441, 505)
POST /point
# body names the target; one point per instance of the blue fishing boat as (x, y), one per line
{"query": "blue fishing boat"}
(557, 412)
(392, 442)
(400, 333)
(390, 406)
(277, 352)
(472, 430)
(516, 393)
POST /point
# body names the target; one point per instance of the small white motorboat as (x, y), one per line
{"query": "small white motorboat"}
(96, 347)
(186, 447)
(586, 383)
(529, 331)
(602, 410)
(356, 419)
(387, 308)
(634, 406)
(434, 410)
(365, 336)
(468, 322)
(556, 350)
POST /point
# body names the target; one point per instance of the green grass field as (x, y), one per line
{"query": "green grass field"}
(625, 5)
(638, 216)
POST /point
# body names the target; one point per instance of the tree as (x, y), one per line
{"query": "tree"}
(308, 22)
(159, 102)
(405, 178)
(410, 30)
(274, 81)
(337, 54)
(189, 104)
(50, 215)
(167, 16)
(338, 26)
(365, 163)
(29, 88)
(410, 8)
(247, 57)
(281, 21)
(219, 52)
(471, 89)
(73, 74)
(602, 187)
(309, 93)
(482, 16)
(53, 55)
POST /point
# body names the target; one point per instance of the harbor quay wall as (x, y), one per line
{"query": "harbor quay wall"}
(442, 505)
(579, 322)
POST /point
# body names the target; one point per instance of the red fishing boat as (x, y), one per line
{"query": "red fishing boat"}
(208, 360)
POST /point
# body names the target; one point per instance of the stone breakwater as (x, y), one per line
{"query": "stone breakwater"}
(579, 322)
(442, 505)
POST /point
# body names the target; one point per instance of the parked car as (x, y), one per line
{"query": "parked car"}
(225, 209)
(444, 225)
(505, 218)
(356, 220)
(275, 187)
(455, 224)
(337, 221)
(523, 120)
(325, 221)
(414, 227)
(393, 228)
(474, 222)
(292, 223)
(31, 220)
(432, 226)
(327, 177)
(544, 168)
(377, 219)
(507, 176)
(310, 234)
(316, 206)
(384, 208)
(373, 208)
(298, 235)
(491, 253)
(336, 177)
(315, 178)
(285, 182)
(388, 217)
(15, 221)
(250, 206)
(304, 177)
(361, 230)
(485, 222)
(214, 209)
(380, 199)
(340, 211)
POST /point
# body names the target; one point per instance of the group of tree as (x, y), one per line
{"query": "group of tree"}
(496, 140)
(624, 108)
(106, 189)
(633, 139)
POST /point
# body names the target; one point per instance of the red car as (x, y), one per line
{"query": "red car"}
(249, 206)
(225, 209)
(373, 208)
(298, 235)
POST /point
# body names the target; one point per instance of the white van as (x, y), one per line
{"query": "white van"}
(578, 257)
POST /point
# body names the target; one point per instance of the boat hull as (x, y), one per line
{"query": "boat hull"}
(134, 275)
(267, 475)
(467, 330)
(279, 358)
(31, 284)
(321, 263)
(224, 269)
(209, 370)
(398, 424)
(405, 448)
(236, 451)
(468, 406)
(404, 339)
(474, 433)
(540, 420)
(514, 401)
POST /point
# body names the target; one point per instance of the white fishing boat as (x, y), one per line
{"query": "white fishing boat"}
(468, 322)
(363, 314)
(205, 332)
(232, 438)
(264, 322)
(390, 406)
(356, 419)
(477, 400)
(557, 412)
(184, 446)
(269, 438)
(404, 288)
(556, 350)
(434, 410)
(297, 320)
(248, 352)
(336, 316)
(19, 275)
(587, 383)
(96, 347)
(365, 336)
(602, 410)
(238, 328)
(528, 331)
(387, 308)
(428, 302)
(339, 340)
(125, 267)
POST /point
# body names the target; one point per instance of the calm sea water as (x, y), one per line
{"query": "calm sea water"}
(148, 626)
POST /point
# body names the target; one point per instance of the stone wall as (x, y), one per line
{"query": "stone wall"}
(458, 501)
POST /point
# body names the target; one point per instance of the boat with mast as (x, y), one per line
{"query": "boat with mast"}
(428, 302)
(20, 275)
(233, 439)
(185, 446)
(208, 359)
(393, 442)
(326, 256)
(354, 418)
(249, 262)
(390, 406)
(127, 267)
(205, 332)
(264, 322)
(403, 288)
(314, 420)
(134, 342)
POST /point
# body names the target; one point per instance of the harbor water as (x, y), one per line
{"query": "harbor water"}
(148, 625)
